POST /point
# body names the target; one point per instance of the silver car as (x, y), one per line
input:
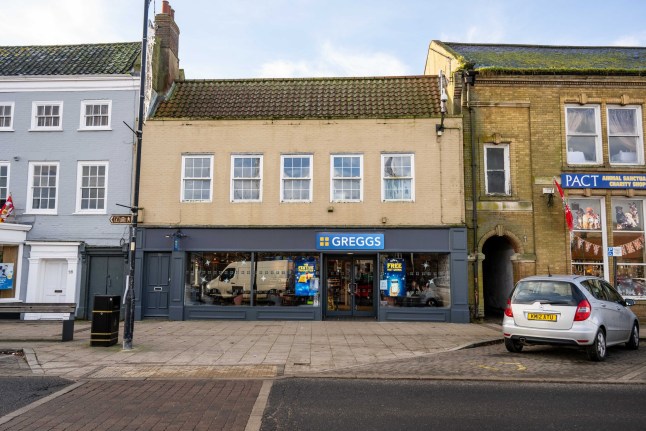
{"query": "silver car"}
(569, 310)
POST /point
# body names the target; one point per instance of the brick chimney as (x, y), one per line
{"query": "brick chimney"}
(165, 55)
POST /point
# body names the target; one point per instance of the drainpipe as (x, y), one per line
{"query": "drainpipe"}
(469, 81)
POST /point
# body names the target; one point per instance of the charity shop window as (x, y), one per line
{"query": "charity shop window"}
(347, 178)
(92, 185)
(4, 182)
(496, 160)
(8, 272)
(628, 234)
(625, 135)
(587, 239)
(583, 128)
(246, 178)
(95, 114)
(47, 116)
(398, 177)
(6, 116)
(43, 187)
(197, 178)
(296, 178)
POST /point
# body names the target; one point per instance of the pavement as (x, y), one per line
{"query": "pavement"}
(218, 374)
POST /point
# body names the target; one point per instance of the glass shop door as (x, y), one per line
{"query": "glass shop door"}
(349, 286)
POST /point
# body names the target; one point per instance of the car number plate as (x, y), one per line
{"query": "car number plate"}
(541, 316)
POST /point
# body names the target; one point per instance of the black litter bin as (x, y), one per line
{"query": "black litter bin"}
(105, 320)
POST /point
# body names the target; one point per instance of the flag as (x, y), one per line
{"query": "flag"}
(568, 214)
(7, 209)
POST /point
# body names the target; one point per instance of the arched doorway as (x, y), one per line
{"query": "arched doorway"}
(497, 274)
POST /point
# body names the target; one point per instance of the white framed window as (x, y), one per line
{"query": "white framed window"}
(91, 187)
(398, 177)
(6, 116)
(42, 187)
(4, 181)
(346, 178)
(625, 135)
(296, 178)
(246, 178)
(95, 114)
(47, 116)
(197, 178)
(588, 240)
(583, 134)
(497, 177)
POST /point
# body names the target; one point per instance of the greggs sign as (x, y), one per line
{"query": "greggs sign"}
(349, 241)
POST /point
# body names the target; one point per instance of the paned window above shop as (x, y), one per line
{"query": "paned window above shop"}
(197, 178)
(92, 184)
(296, 178)
(347, 178)
(43, 187)
(47, 116)
(585, 144)
(6, 116)
(496, 160)
(95, 114)
(398, 177)
(246, 178)
(4, 182)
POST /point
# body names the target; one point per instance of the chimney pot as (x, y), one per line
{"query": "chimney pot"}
(165, 7)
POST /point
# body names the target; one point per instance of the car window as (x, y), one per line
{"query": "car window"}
(594, 288)
(544, 291)
(611, 293)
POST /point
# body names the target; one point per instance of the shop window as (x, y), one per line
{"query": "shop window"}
(496, 158)
(261, 279)
(6, 116)
(197, 178)
(628, 233)
(586, 244)
(583, 125)
(95, 114)
(625, 140)
(415, 280)
(347, 178)
(246, 178)
(398, 177)
(8, 271)
(47, 116)
(296, 178)
(43, 186)
(92, 184)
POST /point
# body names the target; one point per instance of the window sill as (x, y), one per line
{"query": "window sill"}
(196, 202)
(45, 130)
(7, 130)
(28, 212)
(89, 213)
(94, 129)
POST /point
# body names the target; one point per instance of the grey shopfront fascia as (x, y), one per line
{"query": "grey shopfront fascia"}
(178, 243)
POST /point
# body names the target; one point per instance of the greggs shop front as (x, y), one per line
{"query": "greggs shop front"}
(302, 274)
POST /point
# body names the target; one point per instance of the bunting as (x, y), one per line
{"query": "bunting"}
(627, 248)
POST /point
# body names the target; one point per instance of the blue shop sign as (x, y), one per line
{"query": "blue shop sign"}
(603, 181)
(349, 241)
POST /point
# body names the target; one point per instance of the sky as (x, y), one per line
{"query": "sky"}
(230, 39)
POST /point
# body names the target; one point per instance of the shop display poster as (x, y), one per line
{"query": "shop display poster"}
(306, 281)
(6, 276)
(395, 275)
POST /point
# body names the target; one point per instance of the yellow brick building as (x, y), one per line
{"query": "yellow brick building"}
(533, 114)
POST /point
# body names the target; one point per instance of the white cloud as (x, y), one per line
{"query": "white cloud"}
(332, 61)
(637, 39)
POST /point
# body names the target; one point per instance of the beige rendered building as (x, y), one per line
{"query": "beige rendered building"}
(303, 199)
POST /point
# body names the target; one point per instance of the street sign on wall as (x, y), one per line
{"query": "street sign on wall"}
(121, 219)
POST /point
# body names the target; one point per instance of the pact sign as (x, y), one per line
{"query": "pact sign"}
(603, 181)
(349, 241)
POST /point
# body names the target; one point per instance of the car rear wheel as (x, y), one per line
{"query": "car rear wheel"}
(633, 343)
(513, 346)
(597, 351)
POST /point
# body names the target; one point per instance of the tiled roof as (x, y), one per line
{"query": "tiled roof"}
(91, 59)
(303, 98)
(537, 59)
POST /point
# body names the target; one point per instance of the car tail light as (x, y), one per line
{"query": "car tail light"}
(583, 311)
(508, 311)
